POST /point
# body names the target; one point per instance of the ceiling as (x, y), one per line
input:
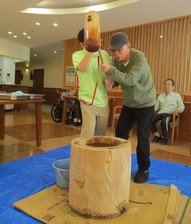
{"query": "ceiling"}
(16, 16)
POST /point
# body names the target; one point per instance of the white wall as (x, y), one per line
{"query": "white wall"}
(7, 66)
(26, 74)
(15, 51)
(1, 71)
(11, 53)
(53, 71)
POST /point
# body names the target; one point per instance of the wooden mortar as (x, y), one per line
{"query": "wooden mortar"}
(100, 169)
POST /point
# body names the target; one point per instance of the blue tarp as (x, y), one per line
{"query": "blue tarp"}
(24, 177)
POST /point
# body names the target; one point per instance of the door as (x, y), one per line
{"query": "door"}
(18, 76)
(38, 80)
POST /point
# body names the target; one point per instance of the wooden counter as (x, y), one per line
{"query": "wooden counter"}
(38, 116)
(14, 88)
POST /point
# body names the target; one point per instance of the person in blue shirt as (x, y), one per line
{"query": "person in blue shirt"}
(167, 104)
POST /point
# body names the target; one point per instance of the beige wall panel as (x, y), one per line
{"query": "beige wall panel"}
(167, 47)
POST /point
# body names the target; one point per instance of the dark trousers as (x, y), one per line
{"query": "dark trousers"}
(165, 123)
(144, 118)
(77, 110)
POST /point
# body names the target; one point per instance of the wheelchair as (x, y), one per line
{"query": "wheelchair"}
(57, 110)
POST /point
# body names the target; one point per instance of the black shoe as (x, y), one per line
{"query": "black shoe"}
(141, 176)
(77, 123)
(156, 139)
(164, 141)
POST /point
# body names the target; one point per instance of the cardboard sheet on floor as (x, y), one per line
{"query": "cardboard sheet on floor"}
(148, 204)
(22, 178)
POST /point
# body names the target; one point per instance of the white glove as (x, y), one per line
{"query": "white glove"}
(96, 53)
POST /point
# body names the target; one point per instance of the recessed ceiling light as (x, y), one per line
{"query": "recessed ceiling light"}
(28, 37)
(35, 55)
(15, 36)
(37, 23)
(55, 52)
(24, 34)
(55, 24)
(9, 32)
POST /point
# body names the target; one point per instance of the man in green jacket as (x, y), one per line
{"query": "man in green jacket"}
(132, 72)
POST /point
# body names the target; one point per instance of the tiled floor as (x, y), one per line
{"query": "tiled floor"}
(20, 141)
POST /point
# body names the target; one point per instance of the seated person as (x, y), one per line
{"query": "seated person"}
(74, 107)
(167, 104)
(70, 92)
(77, 115)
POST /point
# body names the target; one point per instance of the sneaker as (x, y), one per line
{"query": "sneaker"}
(141, 176)
(156, 139)
(164, 141)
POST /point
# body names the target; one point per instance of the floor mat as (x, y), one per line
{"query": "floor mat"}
(24, 177)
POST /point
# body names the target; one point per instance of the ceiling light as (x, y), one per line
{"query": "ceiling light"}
(35, 55)
(37, 23)
(15, 36)
(55, 52)
(55, 24)
(28, 37)
(9, 32)
(24, 34)
(70, 3)
(75, 10)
